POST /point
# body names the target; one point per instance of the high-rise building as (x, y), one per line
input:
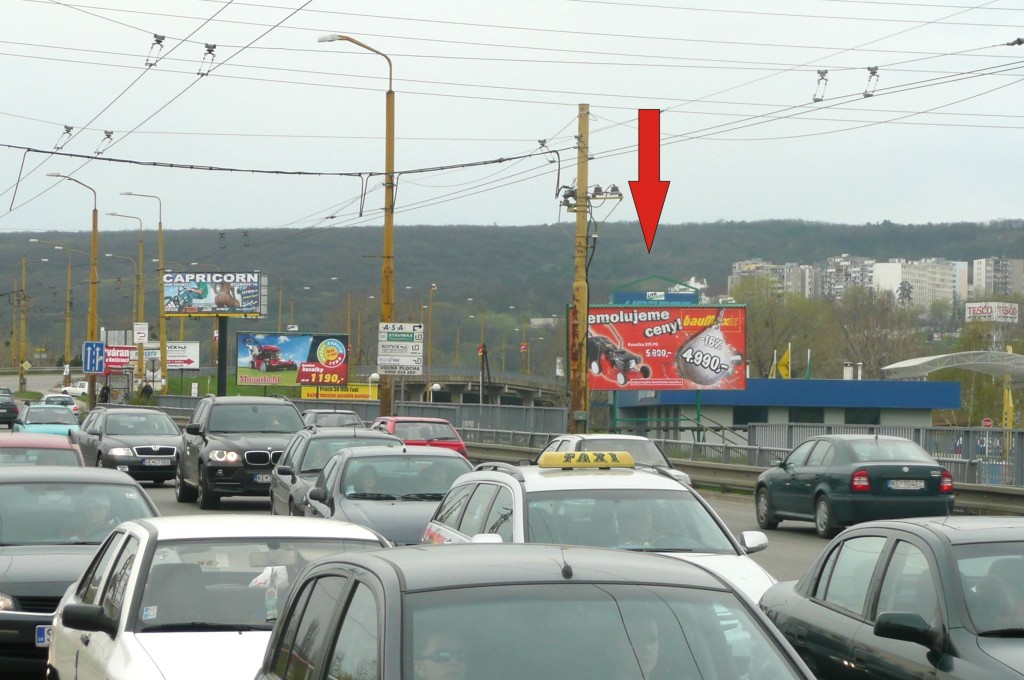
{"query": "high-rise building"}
(997, 276)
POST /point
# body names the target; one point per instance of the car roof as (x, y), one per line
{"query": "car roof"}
(540, 479)
(28, 474)
(36, 440)
(244, 526)
(348, 432)
(38, 404)
(436, 451)
(249, 400)
(425, 567)
(62, 397)
(128, 409)
(958, 529)
(413, 419)
(330, 410)
(599, 435)
(860, 437)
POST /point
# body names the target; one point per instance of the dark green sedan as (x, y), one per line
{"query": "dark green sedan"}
(840, 479)
(939, 598)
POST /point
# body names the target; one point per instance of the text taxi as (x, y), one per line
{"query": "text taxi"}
(596, 498)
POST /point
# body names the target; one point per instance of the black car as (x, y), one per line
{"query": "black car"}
(307, 454)
(390, 490)
(432, 612)
(8, 410)
(328, 418)
(53, 518)
(143, 442)
(841, 479)
(230, 447)
(939, 597)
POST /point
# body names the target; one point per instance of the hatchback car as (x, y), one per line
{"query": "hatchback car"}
(63, 400)
(393, 491)
(939, 597)
(328, 418)
(144, 442)
(52, 520)
(451, 612)
(76, 389)
(46, 419)
(841, 479)
(8, 410)
(188, 597)
(423, 431)
(597, 499)
(28, 448)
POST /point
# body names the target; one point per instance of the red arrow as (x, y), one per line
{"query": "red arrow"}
(649, 191)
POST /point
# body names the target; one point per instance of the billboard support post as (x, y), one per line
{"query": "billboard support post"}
(222, 356)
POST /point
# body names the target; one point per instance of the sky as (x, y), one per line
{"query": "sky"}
(237, 117)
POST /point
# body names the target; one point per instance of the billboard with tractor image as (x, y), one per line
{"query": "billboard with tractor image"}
(292, 359)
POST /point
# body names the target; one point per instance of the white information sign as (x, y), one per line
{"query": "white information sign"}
(400, 349)
(141, 332)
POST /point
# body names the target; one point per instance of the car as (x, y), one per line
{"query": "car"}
(30, 448)
(53, 520)
(393, 491)
(642, 449)
(192, 596)
(936, 597)
(328, 418)
(230, 446)
(599, 499)
(423, 431)
(841, 479)
(144, 442)
(8, 410)
(76, 389)
(451, 612)
(63, 400)
(46, 419)
(305, 457)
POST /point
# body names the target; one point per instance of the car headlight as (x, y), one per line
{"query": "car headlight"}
(224, 456)
(120, 451)
(6, 603)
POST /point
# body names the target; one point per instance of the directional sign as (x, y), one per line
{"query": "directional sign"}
(400, 348)
(93, 357)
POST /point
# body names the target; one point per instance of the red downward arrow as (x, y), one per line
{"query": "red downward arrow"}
(649, 191)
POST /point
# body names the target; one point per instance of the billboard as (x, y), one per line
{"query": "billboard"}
(212, 294)
(1001, 312)
(180, 355)
(667, 348)
(291, 359)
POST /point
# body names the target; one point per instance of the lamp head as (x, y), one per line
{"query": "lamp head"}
(33, 240)
(329, 37)
(54, 174)
(127, 193)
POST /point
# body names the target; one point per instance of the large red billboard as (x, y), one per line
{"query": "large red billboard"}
(667, 348)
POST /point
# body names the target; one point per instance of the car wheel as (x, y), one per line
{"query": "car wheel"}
(158, 482)
(207, 499)
(824, 526)
(183, 493)
(765, 511)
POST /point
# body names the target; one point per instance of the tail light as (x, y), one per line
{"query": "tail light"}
(860, 481)
(463, 450)
(15, 409)
(946, 485)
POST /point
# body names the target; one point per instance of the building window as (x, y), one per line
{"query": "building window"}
(744, 415)
(806, 415)
(863, 416)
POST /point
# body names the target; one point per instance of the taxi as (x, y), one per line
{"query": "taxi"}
(600, 499)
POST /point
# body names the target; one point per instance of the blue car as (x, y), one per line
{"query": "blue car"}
(46, 419)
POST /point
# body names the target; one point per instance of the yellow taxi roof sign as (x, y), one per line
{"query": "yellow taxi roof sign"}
(568, 460)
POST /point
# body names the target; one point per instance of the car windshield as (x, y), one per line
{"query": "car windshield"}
(19, 455)
(227, 584)
(408, 477)
(648, 520)
(227, 418)
(586, 631)
(867, 450)
(425, 431)
(62, 400)
(642, 450)
(322, 450)
(992, 578)
(336, 419)
(58, 415)
(140, 424)
(45, 513)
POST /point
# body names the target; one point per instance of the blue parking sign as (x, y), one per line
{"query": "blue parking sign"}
(94, 357)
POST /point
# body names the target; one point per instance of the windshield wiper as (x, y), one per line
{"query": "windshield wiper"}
(372, 496)
(441, 439)
(422, 496)
(1003, 632)
(203, 625)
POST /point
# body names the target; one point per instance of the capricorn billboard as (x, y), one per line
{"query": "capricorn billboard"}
(667, 348)
(290, 359)
(212, 294)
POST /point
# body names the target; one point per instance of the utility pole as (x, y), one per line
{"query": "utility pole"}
(579, 390)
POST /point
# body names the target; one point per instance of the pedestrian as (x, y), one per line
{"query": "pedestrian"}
(147, 391)
(105, 394)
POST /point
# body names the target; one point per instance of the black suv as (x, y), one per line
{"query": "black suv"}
(143, 442)
(231, 444)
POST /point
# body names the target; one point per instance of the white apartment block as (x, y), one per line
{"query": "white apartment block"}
(997, 276)
(931, 279)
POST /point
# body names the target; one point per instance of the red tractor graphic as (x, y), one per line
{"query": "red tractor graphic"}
(267, 358)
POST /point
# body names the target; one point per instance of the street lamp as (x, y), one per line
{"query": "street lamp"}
(140, 286)
(280, 296)
(135, 282)
(93, 325)
(67, 308)
(160, 287)
(181, 319)
(387, 284)
(23, 298)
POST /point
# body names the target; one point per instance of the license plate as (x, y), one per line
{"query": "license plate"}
(262, 479)
(44, 634)
(3, 410)
(906, 484)
(156, 461)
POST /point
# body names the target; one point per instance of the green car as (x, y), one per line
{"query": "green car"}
(46, 419)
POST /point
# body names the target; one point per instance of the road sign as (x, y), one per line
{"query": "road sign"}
(987, 422)
(93, 357)
(141, 331)
(400, 348)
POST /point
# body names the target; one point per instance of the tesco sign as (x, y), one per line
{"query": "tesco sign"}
(1002, 312)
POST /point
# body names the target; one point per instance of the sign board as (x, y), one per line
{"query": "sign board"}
(986, 422)
(141, 332)
(26, 365)
(290, 359)
(180, 355)
(400, 349)
(666, 347)
(93, 357)
(1001, 312)
(353, 391)
(212, 294)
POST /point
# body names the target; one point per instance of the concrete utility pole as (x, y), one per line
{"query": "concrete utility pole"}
(579, 390)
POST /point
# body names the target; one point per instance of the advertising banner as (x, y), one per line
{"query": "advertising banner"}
(180, 355)
(667, 348)
(1001, 312)
(212, 294)
(291, 359)
(354, 391)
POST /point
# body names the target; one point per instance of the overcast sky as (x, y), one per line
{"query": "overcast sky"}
(477, 81)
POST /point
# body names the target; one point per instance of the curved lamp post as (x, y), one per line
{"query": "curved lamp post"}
(160, 287)
(140, 292)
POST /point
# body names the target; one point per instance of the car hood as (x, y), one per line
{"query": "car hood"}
(1007, 651)
(745, 574)
(266, 441)
(222, 655)
(402, 522)
(42, 570)
(143, 440)
(50, 429)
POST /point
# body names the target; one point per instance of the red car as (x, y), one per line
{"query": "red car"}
(31, 448)
(423, 431)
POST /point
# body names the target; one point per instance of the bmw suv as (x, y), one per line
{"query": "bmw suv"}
(230, 447)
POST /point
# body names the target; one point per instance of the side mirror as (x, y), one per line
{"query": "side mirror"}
(88, 617)
(753, 541)
(779, 463)
(94, 432)
(318, 494)
(285, 470)
(907, 626)
(194, 428)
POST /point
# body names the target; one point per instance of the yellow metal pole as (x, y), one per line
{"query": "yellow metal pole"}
(22, 380)
(67, 327)
(579, 392)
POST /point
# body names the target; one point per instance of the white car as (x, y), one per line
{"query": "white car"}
(601, 499)
(188, 597)
(76, 389)
(642, 449)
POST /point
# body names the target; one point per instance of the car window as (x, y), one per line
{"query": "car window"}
(499, 519)
(307, 649)
(450, 510)
(21, 455)
(89, 587)
(800, 453)
(643, 451)
(87, 424)
(992, 578)
(476, 509)
(49, 415)
(902, 450)
(117, 584)
(850, 578)
(909, 584)
(286, 641)
(335, 419)
(292, 452)
(140, 424)
(355, 651)
(821, 455)
(229, 418)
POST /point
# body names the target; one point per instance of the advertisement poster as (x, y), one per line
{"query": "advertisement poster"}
(212, 294)
(667, 348)
(354, 391)
(291, 359)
